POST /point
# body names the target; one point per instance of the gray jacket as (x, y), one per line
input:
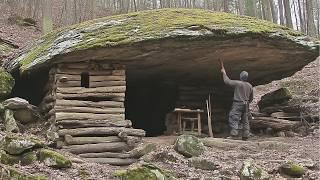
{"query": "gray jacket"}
(243, 91)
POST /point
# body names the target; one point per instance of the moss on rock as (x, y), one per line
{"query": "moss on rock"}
(6, 83)
(292, 169)
(251, 171)
(276, 97)
(17, 145)
(146, 171)
(8, 172)
(24, 159)
(189, 145)
(54, 159)
(131, 28)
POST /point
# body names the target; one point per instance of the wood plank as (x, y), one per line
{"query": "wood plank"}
(112, 161)
(71, 124)
(113, 96)
(101, 131)
(69, 84)
(90, 140)
(107, 78)
(88, 116)
(275, 124)
(83, 90)
(106, 155)
(76, 103)
(100, 147)
(68, 77)
(106, 83)
(90, 110)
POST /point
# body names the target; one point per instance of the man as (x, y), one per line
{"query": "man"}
(243, 95)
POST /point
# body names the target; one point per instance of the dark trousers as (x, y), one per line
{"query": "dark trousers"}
(239, 112)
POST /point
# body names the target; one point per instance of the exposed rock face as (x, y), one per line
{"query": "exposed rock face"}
(189, 146)
(6, 84)
(9, 121)
(250, 171)
(279, 96)
(54, 159)
(292, 170)
(185, 48)
(19, 145)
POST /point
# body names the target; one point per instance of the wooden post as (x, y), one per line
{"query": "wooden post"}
(209, 120)
(179, 122)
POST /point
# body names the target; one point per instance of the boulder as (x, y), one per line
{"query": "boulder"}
(200, 163)
(23, 111)
(146, 171)
(277, 97)
(54, 159)
(6, 84)
(19, 145)
(251, 171)
(143, 149)
(24, 159)
(10, 122)
(292, 170)
(188, 145)
(8, 172)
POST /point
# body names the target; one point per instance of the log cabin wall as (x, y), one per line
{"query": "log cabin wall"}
(87, 107)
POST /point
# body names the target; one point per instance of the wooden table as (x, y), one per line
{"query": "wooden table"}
(179, 112)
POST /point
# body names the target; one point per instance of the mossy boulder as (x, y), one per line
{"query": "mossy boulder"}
(24, 159)
(279, 96)
(146, 171)
(8, 172)
(181, 41)
(14, 145)
(251, 171)
(292, 169)
(6, 83)
(200, 163)
(54, 159)
(10, 122)
(143, 149)
(189, 146)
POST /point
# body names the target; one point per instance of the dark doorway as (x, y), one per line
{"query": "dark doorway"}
(148, 102)
(85, 80)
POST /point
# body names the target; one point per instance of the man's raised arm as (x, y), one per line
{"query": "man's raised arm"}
(226, 79)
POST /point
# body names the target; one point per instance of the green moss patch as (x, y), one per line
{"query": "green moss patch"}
(292, 170)
(54, 159)
(8, 172)
(6, 83)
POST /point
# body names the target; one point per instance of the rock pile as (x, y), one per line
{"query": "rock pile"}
(277, 114)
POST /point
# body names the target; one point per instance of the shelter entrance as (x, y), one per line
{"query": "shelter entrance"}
(148, 102)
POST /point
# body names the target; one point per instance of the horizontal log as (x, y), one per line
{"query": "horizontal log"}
(106, 83)
(83, 90)
(96, 95)
(71, 124)
(75, 103)
(101, 131)
(95, 148)
(69, 84)
(90, 140)
(112, 161)
(90, 110)
(108, 71)
(289, 116)
(106, 155)
(88, 116)
(275, 124)
(118, 99)
(107, 78)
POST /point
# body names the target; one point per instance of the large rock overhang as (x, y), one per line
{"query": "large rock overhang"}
(176, 44)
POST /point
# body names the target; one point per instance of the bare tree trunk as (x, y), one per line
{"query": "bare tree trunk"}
(266, 10)
(251, 7)
(287, 11)
(273, 12)
(281, 14)
(311, 27)
(47, 24)
(295, 15)
(241, 7)
(301, 17)
(226, 6)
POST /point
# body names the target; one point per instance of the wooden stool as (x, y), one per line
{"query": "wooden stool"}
(179, 112)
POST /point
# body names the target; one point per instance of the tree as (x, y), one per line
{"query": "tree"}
(241, 7)
(301, 17)
(311, 27)
(266, 9)
(250, 7)
(281, 14)
(47, 24)
(274, 12)
(287, 12)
